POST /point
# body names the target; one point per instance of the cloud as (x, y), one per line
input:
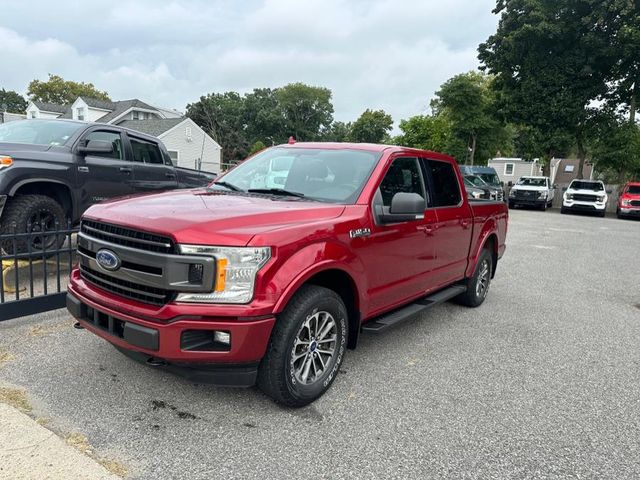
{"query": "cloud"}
(371, 54)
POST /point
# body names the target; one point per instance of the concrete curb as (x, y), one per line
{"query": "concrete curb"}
(30, 451)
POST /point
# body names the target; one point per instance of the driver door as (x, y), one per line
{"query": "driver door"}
(104, 175)
(399, 256)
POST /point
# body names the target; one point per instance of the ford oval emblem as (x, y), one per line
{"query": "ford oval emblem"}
(108, 260)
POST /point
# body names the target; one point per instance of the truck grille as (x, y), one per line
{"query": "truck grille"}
(635, 203)
(127, 237)
(124, 288)
(526, 194)
(582, 197)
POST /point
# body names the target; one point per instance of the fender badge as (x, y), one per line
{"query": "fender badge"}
(359, 232)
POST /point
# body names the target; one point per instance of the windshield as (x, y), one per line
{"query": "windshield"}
(38, 132)
(336, 176)
(475, 180)
(490, 178)
(532, 182)
(634, 189)
(581, 185)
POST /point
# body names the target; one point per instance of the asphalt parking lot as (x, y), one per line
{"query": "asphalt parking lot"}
(542, 381)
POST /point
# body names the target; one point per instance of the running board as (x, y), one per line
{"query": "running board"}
(410, 311)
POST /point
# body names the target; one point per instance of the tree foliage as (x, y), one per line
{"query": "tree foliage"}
(12, 102)
(426, 132)
(371, 127)
(616, 149)
(550, 62)
(60, 91)
(305, 110)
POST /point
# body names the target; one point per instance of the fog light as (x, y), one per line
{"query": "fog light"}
(222, 337)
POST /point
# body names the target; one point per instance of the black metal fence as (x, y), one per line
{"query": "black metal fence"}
(35, 269)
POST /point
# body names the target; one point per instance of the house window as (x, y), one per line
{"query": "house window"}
(80, 113)
(173, 154)
(569, 168)
(136, 115)
(508, 168)
(33, 114)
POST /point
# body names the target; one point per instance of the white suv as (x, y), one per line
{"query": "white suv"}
(586, 196)
(532, 191)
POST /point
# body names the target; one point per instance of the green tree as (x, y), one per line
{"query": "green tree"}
(61, 91)
(263, 117)
(257, 147)
(426, 132)
(469, 104)
(371, 127)
(306, 110)
(616, 149)
(12, 102)
(222, 116)
(550, 63)
(336, 132)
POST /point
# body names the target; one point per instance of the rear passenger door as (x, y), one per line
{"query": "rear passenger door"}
(454, 221)
(152, 169)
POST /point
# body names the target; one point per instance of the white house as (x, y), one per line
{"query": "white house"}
(188, 145)
(511, 169)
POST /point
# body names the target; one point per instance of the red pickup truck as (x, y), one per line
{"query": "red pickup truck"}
(271, 273)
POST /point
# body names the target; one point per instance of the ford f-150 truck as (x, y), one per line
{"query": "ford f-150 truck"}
(244, 282)
(51, 171)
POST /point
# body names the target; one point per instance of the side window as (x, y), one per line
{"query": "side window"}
(146, 152)
(114, 138)
(446, 190)
(404, 175)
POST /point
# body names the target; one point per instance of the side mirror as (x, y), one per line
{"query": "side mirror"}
(405, 207)
(96, 146)
(564, 189)
(555, 185)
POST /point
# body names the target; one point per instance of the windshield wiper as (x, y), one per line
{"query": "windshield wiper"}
(228, 185)
(276, 191)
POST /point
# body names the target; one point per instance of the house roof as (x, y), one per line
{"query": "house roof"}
(51, 107)
(97, 103)
(152, 126)
(122, 106)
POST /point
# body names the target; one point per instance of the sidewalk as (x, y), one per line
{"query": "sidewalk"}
(30, 451)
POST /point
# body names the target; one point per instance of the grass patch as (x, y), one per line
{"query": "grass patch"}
(5, 357)
(81, 442)
(16, 398)
(42, 330)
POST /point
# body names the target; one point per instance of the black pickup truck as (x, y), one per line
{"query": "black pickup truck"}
(51, 171)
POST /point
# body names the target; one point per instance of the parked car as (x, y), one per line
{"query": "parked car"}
(235, 285)
(585, 196)
(488, 175)
(51, 171)
(491, 192)
(473, 192)
(629, 201)
(532, 192)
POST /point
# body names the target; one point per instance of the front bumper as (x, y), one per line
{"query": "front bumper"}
(534, 202)
(631, 211)
(584, 206)
(160, 342)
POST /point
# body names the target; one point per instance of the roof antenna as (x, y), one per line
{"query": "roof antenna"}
(292, 140)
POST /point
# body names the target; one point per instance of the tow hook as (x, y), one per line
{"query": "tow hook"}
(156, 362)
(77, 326)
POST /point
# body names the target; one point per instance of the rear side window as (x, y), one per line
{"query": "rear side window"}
(146, 152)
(446, 191)
(404, 175)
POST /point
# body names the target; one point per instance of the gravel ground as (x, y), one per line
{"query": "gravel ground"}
(542, 381)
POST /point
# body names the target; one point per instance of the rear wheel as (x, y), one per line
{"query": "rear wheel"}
(306, 349)
(37, 214)
(478, 284)
(618, 214)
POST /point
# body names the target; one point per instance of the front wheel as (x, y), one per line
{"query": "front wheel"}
(478, 284)
(306, 349)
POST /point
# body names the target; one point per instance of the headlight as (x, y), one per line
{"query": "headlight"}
(626, 202)
(512, 193)
(544, 194)
(5, 161)
(600, 198)
(476, 195)
(568, 196)
(236, 270)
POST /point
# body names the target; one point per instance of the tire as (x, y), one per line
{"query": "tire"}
(563, 210)
(475, 295)
(602, 214)
(543, 207)
(618, 214)
(512, 205)
(31, 213)
(281, 374)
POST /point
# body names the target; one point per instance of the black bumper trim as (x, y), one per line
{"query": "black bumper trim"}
(222, 375)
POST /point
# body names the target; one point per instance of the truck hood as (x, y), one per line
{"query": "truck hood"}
(209, 217)
(16, 148)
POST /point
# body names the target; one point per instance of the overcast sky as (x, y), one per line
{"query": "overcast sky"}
(389, 54)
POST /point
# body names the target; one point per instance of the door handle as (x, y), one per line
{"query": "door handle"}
(125, 169)
(464, 223)
(428, 229)
(170, 175)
